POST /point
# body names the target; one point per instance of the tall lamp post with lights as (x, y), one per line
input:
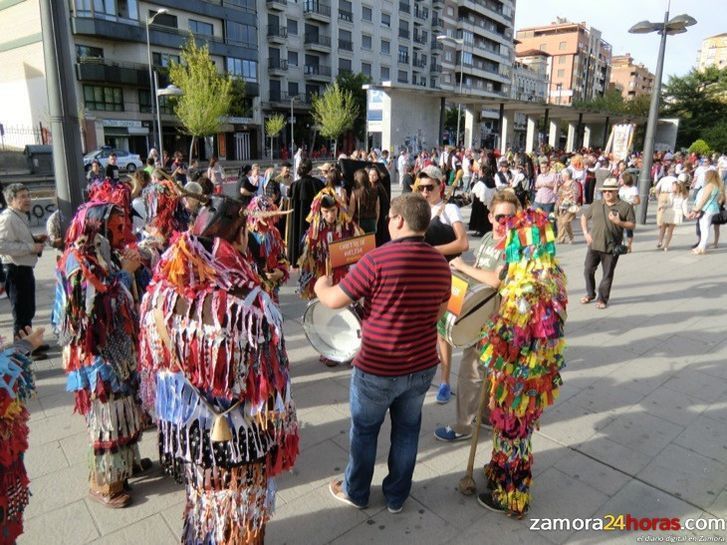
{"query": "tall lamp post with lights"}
(168, 91)
(676, 25)
(152, 80)
(459, 41)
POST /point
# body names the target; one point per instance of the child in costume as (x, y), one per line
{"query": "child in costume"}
(329, 221)
(265, 245)
(523, 355)
(215, 375)
(97, 326)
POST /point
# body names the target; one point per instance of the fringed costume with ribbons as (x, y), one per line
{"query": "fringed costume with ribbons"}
(265, 245)
(523, 354)
(97, 326)
(319, 235)
(16, 386)
(215, 375)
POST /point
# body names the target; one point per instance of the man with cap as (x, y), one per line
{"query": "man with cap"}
(608, 220)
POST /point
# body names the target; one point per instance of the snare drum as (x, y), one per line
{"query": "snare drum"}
(480, 303)
(334, 333)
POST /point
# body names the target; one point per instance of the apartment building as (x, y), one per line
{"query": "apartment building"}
(581, 59)
(629, 78)
(713, 52)
(530, 76)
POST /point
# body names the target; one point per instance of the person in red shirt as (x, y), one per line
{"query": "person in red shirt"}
(405, 286)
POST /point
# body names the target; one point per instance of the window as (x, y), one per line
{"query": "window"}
(345, 11)
(386, 19)
(344, 65)
(561, 73)
(366, 69)
(109, 99)
(543, 47)
(367, 14)
(561, 59)
(88, 51)
(164, 59)
(242, 68)
(239, 34)
(164, 19)
(403, 76)
(385, 73)
(403, 54)
(246, 5)
(144, 101)
(292, 27)
(385, 47)
(562, 45)
(292, 58)
(467, 58)
(366, 42)
(403, 29)
(345, 40)
(199, 27)
(292, 88)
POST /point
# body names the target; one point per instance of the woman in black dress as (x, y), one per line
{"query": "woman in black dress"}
(482, 192)
(302, 193)
(376, 178)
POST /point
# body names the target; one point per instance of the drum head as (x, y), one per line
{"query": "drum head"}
(480, 305)
(334, 333)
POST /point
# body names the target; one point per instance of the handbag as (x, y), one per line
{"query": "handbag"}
(720, 218)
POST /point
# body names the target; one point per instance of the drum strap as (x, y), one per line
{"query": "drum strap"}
(220, 431)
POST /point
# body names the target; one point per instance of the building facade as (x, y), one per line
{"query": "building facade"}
(713, 52)
(629, 78)
(580, 59)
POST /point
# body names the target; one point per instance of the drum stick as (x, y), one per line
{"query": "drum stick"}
(467, 485)
(328, 266)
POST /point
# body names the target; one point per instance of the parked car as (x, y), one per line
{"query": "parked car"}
(126, 161)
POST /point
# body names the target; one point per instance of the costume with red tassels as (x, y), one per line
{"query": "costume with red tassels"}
(215, 376)
(265, 244)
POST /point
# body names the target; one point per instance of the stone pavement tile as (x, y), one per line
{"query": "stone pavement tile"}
(719, 507)
(55, 428)
(569, 424)
(556, 494)
(586, 364)
(605, 396)
(314, 519)
(322, 423)
(57, 489)
(315, 467)
(70, 525)
(717, 411)
(706, 436)
(173, 516)
(322, 393)
(687, 475)
(44, 459)
(641, 431)
(57, 404)
(52, 382)
(679, 347)
(497, 529)
(152, 529)
(614, 454)
(673, 406)
(592, 472)
(696, 384)
(75, 447)
(150, 495)
(645, 373)
(711, 363)
(414, 525)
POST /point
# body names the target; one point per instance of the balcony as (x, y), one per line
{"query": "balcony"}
(420, 62)
(436, 45)
(94, 69)
(403, 59)
(421, 13)
(420, 37)
(317, 11)
(317, 72)
(277, 34)
(278, 5)
(404, 33)
(346, 45)
(437, 22)
(345, 15)
(436, 69)
(277, 65)
(318, 42)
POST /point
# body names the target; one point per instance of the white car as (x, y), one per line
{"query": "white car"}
(125, 160)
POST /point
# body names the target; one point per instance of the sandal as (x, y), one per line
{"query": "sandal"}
(601, 305)
(328, 363)
(585, 299)
(117, 501)
(142, 467)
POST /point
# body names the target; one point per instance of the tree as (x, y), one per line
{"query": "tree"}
(206, 97)
(239, 106)
(348, 81)
(611, 102)
(335, 112)
(700, 147)
(273, 126)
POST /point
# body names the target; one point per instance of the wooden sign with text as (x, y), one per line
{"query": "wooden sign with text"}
(459, 290)
(349, 250)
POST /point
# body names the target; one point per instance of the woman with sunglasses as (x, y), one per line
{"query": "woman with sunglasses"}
(448, 235)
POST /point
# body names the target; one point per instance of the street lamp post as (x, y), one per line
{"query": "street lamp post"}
(292, 123)
(152, 86)
(458, 41)
(168, 91)
(677, 25)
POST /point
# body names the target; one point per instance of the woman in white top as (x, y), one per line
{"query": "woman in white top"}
(630, 193)
(448, 235)
(216, 174)
(663, 190)
(675, 214)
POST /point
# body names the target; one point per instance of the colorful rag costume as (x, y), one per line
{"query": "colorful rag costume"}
(523, 354)
(265, 246)
(320, 234)
(97, 326)
(215, 375)
(16, 386)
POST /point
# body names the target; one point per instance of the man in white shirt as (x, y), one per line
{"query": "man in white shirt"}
(401, 162)
(466, 169)
(700, 172)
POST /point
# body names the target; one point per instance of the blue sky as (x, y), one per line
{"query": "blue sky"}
(614, 17)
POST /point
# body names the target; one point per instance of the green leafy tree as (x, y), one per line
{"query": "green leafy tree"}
(239, 106)
(611, 102)
(700, 147)
(335, 112)
(273, 126)
(716, 136)
(348, 81)
(206, 97)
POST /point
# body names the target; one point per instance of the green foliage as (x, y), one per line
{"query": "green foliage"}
(207, 94)
(717, 136)
(348, 81)
(334, 111)
(238, 104)
(612, 102)
(274, 125)
(700, 147)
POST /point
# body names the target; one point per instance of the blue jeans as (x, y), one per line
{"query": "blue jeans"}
(545, 207)
(371, 397)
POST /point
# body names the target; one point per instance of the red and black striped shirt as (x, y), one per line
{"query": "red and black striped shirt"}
(403, 284)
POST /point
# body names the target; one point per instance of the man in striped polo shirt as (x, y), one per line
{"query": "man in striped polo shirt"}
(405, 285)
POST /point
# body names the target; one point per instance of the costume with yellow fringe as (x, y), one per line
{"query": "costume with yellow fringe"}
(523, 354)
(319, 235)
(16, 386)
(215, 375)
(265, 244)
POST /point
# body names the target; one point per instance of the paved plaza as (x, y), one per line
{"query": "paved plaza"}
(640, 428)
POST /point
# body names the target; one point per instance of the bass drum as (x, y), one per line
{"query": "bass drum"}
(334, 333)
(480, 303)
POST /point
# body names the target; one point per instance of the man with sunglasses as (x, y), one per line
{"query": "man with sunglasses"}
(489, 264)
(609, 217)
